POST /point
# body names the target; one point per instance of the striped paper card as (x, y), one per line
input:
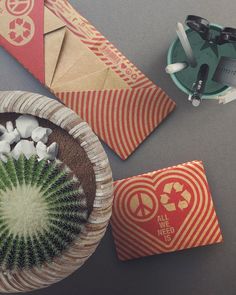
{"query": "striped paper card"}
(164, 211)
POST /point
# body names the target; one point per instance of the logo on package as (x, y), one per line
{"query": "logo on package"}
(21, 27)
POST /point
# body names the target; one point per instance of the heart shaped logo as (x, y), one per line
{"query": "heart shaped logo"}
(163, 211)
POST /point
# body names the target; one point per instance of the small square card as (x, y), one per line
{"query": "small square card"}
(164, 211)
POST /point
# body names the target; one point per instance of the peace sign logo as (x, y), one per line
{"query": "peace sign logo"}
(19, 7)
(142, 206)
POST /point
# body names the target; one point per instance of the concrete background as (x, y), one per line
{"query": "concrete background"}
(143, 30)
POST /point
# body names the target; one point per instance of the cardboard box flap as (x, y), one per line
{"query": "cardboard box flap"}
(53, 44)
(85, 63)
(51, 22)
(85, 67)
(72, 51)
(113, 81)
(94, 81)
(54, 34)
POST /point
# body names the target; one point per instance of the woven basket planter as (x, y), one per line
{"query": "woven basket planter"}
(88, 240)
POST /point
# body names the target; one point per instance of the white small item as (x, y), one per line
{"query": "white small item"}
(228, 97)
(3, 158)
(4, 150)
(47, 153)
(9, 126)
(25, 124)
(24, 147)
(176, 67)
(41, 134)
(2, 129)
(11, 137)
(41, 150)
(5, 147)
(180, 30)
(53, 151)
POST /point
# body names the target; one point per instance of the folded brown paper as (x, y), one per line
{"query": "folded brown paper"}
(89, 74)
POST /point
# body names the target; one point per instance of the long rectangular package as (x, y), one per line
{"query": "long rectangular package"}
(84, 70)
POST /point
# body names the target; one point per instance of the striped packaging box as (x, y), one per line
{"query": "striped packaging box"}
(164, 211)
(84, 70)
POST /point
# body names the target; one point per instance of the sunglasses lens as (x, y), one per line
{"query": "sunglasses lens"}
(198, 24)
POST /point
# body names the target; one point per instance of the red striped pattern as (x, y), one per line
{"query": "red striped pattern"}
(195, 226)
(122, 118)
(98, 44)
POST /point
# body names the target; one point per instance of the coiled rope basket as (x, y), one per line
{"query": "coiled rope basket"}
(87, 241)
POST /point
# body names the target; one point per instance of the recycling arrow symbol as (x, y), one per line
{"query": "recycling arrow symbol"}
(175, 187)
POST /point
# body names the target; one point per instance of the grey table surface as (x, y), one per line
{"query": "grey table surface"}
(143, 30)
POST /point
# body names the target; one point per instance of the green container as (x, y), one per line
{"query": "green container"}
(185, 78)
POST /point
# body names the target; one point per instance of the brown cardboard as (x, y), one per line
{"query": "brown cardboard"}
(83, 69)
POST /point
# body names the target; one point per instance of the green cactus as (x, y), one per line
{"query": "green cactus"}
(42, 211)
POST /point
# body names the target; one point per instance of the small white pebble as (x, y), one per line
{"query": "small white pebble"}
(41, 134)
(9, 126)
(2, 129)
(25, 124)
(52, 151)
(5, 150)
(47, 153)
(41, 150)
(11, 137)
(24, 147)
(4, 147)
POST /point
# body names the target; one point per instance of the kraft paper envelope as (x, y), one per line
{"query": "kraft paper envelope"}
(73, 70)
(54, 35)
(83, 69)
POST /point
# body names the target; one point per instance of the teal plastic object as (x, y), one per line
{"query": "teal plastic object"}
(184, 79)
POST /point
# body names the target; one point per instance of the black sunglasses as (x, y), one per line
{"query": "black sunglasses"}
(202, 27)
